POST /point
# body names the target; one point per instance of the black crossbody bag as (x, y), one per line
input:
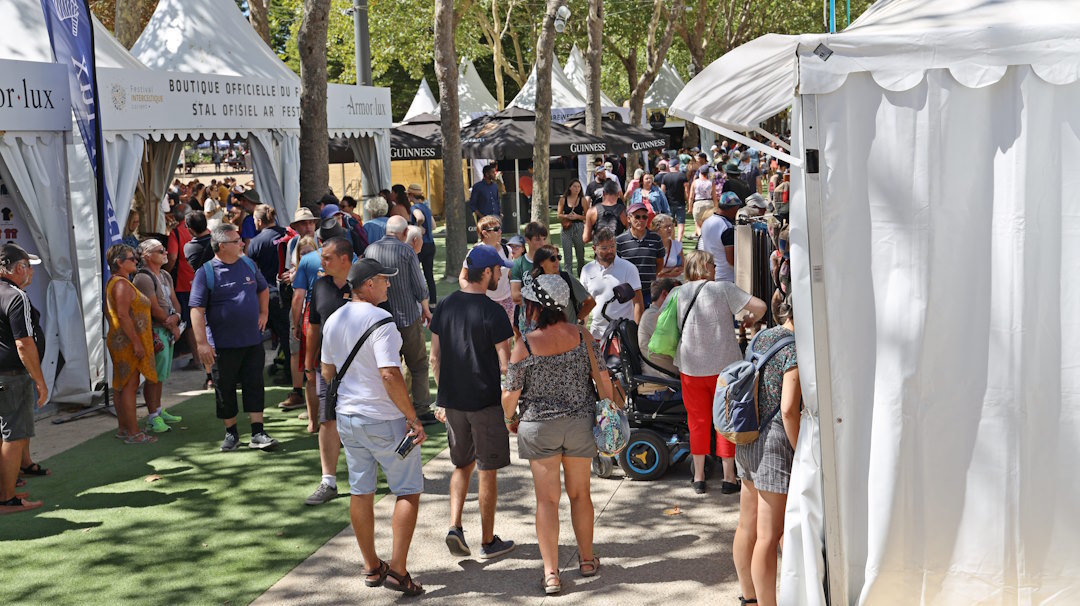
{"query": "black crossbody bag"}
(332, 387)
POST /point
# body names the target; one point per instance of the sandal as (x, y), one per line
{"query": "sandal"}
(17, 505)
(34, 469)
(589, 568)
(379, 572)
(552, 584)
(139, 438)
(19, 483)
(122, 434)
(744, 601)
(402, 583)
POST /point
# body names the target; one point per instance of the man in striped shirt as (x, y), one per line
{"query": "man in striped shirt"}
(641, 247)
(408, 302)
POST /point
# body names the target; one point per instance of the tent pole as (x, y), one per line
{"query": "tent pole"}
(427, 181)
(343, 192)
(734, 136)
(517, 195)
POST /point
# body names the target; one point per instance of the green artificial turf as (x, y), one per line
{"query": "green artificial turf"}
(216, 528)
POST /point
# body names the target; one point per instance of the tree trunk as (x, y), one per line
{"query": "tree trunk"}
(497, 55)
(260, 18)
(127, 22)
(595, 26)
(545, 45)
(446, 72)
(314, 154)
(656, 53)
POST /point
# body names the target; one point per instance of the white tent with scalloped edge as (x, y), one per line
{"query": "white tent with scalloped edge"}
(935, 230)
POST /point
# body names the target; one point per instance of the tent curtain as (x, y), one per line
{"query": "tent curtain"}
(123, 166)
(373, 155)
(158, 170)
(34, 167)
(951, 317)
(276, 160)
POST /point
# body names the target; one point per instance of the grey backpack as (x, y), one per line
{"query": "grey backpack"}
(735, 408)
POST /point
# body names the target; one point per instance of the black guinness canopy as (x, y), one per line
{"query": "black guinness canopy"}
(509, 135)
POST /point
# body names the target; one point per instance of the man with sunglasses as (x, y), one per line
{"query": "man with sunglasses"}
(641, 247)
(228, 313)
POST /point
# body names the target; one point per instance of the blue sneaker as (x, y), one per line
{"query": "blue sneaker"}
(495, 548)
(455, 540)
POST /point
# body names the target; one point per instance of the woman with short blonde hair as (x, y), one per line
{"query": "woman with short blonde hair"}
(664, 225)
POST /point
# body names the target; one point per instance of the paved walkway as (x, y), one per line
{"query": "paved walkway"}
(647, 557)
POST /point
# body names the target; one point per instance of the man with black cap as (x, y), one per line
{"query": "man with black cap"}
(734, 182)
(470, 340)
(22, 345)
(229, 307)
(374, 416)
(247, 199)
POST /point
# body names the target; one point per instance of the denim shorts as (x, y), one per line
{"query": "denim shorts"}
(678, 213)
(371, 444)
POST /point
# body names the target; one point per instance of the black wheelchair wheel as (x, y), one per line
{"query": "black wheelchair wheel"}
(646, 457)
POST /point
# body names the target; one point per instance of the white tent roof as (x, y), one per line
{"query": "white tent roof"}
(574, 70)
(424, 102)
(563, 92)
(25, 36)
(473, 95)
(665, 88)
(207, 37)
(109, 51)
(975, 39)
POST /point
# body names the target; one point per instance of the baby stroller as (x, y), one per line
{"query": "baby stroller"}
(659, 435)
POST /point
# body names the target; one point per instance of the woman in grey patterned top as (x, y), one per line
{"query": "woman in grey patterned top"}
(765, 464)
(549, 374)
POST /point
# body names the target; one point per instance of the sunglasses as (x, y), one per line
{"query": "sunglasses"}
(640, 217)
(492, 229)
(555, 258)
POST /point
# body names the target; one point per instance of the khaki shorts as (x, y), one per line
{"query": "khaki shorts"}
(480, 436)
(569, 437)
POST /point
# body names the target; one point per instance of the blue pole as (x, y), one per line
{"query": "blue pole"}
(832, 16)
(848, 21)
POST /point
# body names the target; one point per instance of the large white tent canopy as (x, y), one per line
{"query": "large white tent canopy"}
(474, 98)
(566, 99)
(574, 70)
(934, 227)
(423, 102)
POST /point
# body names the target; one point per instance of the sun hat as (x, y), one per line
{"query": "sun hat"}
(483, 256)
(729, 199)
(416, 189)
(756, 201)
(303, 214)
(732, 168)
(549, 290)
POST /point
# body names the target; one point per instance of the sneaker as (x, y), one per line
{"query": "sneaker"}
(495, 548)
(231, 442)
(262, 441)
(292, 402)
(455, 540)
(322, 494)
(157, 425)
(169, 417)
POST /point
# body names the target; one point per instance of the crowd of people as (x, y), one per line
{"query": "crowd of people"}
(349, 302)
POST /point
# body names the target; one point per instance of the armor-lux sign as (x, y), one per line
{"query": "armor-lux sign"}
(33, 97)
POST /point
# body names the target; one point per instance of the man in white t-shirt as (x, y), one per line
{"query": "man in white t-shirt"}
(374, 414)
(601, 276)
(718, 236)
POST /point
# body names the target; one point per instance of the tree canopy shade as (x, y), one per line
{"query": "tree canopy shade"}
(509, 135)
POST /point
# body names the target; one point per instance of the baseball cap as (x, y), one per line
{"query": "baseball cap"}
(516, 241)
(729, 199)
(599, 169)
(329, 211)
(484, 256)
(636, 207)
(366, 269)
(755, 200)
(12, 253)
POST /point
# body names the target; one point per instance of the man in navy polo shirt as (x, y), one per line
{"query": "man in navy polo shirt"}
(228, 313)
(484, 198)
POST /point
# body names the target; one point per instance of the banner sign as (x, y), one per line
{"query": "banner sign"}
(353, 108)
(147, 101)
(72, 35)
(33, 97)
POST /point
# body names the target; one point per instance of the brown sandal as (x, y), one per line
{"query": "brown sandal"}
(552, 583)
(379, 572)
(589, 568)
(403, 583)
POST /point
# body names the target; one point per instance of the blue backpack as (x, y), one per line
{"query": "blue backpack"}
(735, 407)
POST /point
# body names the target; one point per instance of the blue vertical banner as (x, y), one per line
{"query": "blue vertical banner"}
(71, 33)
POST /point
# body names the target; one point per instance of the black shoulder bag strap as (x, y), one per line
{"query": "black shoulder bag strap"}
(356, 348)
(693, 299)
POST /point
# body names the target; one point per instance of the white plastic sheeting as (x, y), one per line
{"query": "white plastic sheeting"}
(423, 102)
(35, 171)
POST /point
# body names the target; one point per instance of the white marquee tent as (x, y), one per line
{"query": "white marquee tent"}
(574, 70)
(473, 96)
(423, 102)
(935, 218)
(566, 99)
(33, 168)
